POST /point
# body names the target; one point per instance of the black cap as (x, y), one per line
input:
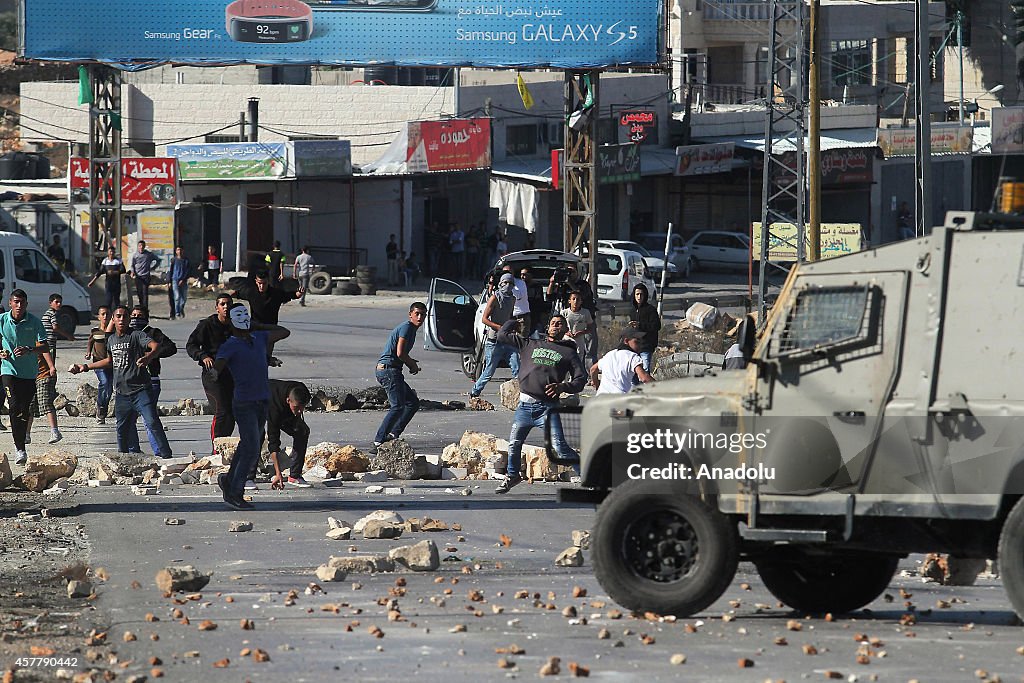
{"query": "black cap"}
(632, 333)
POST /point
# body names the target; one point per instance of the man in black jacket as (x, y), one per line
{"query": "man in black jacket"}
(288, 400)
(202, 347)
(544, 365)
(644, 317)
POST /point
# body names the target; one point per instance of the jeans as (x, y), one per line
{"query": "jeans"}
(494, 355)
(304, 286)
(113, 294)
(154, 395)
(142, 289)
(180, 290)
(127, 408)
(404, 403)
(251, 417)
(645, 363)
(104, 390)
(219, 392)
(393, 271)
(528, 416)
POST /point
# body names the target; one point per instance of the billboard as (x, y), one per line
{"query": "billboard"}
(144, 180)
(1008, 130)
(231, 160)
(453, 145)
(616, 164)
(704, 159)
(321, 158)
(837, 239)
(902, 142)
(566, 34)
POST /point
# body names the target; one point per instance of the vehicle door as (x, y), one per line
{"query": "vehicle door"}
(707, 249)
(833, 360)
(451, 315)
(34, 273)
(735, 252)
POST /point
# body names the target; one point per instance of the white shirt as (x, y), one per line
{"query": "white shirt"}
(617, 368)
(304, 264)
(519, 291)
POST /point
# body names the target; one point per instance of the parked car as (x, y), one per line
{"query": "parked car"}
(719, 249)
(679, 252)
(619, 271)
(24, 266)
(453, 314)
(654, 263)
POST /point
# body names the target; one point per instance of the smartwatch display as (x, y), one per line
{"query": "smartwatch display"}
(269, 21)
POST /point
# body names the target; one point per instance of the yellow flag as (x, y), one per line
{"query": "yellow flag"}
(524, 92)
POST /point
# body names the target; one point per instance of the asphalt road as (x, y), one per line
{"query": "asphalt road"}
(443, 629)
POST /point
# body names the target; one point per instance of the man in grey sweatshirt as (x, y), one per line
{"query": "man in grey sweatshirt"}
(548, 367)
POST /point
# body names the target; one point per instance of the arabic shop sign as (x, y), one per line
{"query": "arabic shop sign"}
(453, 145)
(563, 34)
(1008, 130)
(840, 166)
(616, 164)
(837, 239)
(705, 159)
(637, 124)
(143, 181)
(321, 158)
(231, 160)
(902, 142)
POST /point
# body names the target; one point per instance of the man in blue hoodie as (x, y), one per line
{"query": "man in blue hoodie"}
(548, 368)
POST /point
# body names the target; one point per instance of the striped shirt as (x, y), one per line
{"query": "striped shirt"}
(49, 320)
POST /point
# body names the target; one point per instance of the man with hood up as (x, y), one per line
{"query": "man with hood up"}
(497, 312)
(644, 317)
(544, 366)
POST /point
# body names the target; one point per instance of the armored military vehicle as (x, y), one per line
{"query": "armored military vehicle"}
(881, 414)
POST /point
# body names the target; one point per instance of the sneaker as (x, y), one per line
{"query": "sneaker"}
(274, 362)
(250, 485)
(509, 482)
(299, 482)
(391, 436)
(222, 481)
(20, 458)
(101, 420)
(238, 503)
(375, 446)
(55, 436)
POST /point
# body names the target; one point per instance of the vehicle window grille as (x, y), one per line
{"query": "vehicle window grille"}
(826, 316)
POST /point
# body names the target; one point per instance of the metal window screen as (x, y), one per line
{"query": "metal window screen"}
(825, 316)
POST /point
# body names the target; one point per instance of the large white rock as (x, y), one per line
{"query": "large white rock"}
(420, 557)
(379, 515)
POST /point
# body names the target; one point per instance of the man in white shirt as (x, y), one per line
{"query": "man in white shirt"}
(618, 366)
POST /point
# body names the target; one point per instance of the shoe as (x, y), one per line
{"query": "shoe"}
(55, 436)
(172, 317)
(299, 482)
(20, 458)
(375, 446)
(250, 485)
(222, 481)
(274, 362)
(391, 436)
(238, 503)
(101, 420)
(509, 482)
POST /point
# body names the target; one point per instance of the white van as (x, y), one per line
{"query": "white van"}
(24, 266)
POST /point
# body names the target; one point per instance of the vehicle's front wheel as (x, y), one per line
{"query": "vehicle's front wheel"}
(1011, 557)
(816, 584)
(691, 266)
(662, 552)
(472, 364)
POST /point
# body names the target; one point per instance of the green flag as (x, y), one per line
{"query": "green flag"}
(84, 86)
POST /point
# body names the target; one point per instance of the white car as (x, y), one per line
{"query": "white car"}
(619, 271)
(654, 263)
(678, 253)
(719, 249)
(454, 316)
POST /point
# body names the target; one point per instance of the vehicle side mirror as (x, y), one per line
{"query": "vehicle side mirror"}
(461, 300)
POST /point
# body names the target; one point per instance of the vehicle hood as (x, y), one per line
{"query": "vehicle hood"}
(533, 255)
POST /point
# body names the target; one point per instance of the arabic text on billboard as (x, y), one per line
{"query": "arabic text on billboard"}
(557, 33)
(144, 180)
(638, 124)
(704, 159)
(837, 239)
(157, 229)
(1008, 130)
(322, 158)
(454, 145)
(615, 164)
(902, 142)
(230, 160)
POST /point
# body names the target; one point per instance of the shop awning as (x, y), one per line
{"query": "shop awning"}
(654, 161)
(840, 138)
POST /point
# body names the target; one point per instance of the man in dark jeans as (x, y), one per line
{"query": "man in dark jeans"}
(23, 338)
(404, 401)
(131, 352)
(202, 347)
(288, 400)
(141, 271)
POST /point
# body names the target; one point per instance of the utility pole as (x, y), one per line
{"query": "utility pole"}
(959, 19)
(813, 141)
(923, 152)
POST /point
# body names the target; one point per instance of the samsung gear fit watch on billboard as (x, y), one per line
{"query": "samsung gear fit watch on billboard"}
(269, 21)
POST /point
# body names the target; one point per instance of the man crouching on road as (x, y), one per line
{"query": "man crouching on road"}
(288, 400)
(245, 355)
(131, 352)
(543, 367)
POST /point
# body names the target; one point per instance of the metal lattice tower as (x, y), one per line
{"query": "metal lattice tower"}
(784, 182)
(104, 159)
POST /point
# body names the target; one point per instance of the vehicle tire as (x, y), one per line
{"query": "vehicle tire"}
(369, 290)
(347, 288)
(1011, 557)
(692, 266)
(816, 584)
(320, 282)
(67, 319)
(662, 552)
(473, 364)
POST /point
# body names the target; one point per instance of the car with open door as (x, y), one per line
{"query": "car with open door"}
(453, 314)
